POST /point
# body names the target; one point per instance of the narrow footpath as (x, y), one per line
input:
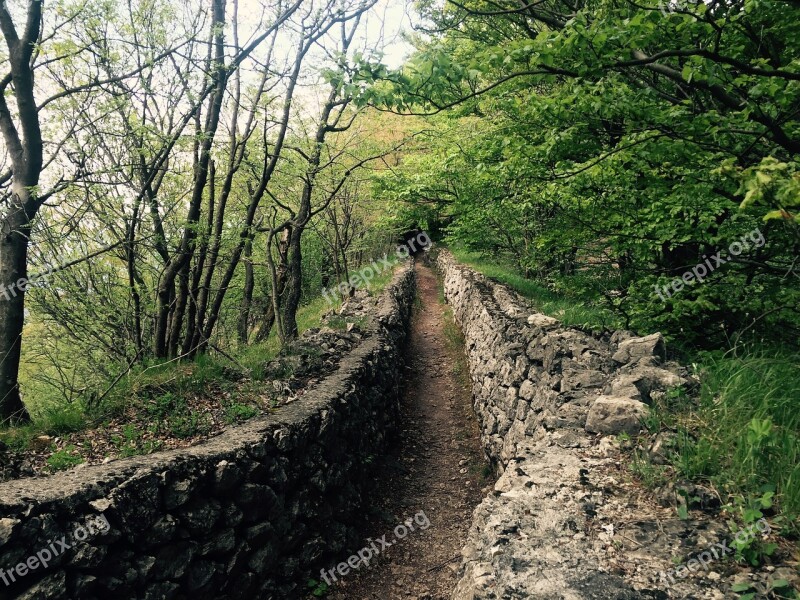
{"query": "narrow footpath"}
(437, 476)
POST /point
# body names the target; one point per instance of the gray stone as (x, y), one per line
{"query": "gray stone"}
(163, 531)
(661, 446)
(226, 476)
(50, 587)
(581, 379)
(200, 516)
(642, 381)
(177, 492)
(173, 560)
(200, 573)
(89, 556)
(543, 321)
(7, 527)
(527, 390)
(613, 415)
(640, 347)
(164, 590)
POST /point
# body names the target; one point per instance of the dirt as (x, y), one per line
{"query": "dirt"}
(438, 474)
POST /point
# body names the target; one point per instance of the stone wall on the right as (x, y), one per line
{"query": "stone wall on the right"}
(531, 375)
(551, 402)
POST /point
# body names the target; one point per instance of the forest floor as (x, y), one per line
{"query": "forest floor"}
(437, 474)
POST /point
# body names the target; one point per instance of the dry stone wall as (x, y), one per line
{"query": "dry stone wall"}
(543, 394)
(252, 513)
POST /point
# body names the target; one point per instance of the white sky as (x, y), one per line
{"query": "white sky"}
(381, 28)
(388, 20)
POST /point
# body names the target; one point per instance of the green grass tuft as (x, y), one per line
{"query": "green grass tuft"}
(572, 311)
(744, 434)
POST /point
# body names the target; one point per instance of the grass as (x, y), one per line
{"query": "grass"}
(64, 459)
(744, 433)
(161, 393)
(572, 311)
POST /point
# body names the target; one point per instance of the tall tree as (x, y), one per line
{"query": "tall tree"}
(23, 138)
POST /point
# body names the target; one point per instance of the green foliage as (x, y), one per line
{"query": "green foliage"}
(131, 443)
(744, 433)
(777, 588)
(603, 179)
(751, 547)
(318, 589)
(236, 413)
(64, 459)
(574, 310)
(650, 474)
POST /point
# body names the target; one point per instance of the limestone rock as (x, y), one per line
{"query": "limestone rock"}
(543, 321)
(614, 414)
(642, 381)
(6, 528)
(640, 347)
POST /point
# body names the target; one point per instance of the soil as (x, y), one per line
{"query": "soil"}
(438, 470)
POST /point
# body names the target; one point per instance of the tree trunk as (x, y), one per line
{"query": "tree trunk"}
(169, 320)
(294, 286)
(23, 141)
(13, 272)
(247, 297)
(278, 286)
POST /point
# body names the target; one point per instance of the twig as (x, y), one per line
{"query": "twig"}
(447, 562)
(118, 378)
(229, 357)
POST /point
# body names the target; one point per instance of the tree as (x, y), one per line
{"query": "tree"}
(607, 147)
(23, 139)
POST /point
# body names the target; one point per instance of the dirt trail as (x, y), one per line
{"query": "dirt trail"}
(438, 470)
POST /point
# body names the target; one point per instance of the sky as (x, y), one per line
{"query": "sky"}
(381, 28)
(387, 21)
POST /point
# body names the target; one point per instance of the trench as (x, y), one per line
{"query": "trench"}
(434, 478)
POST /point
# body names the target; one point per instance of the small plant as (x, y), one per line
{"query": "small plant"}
(683, 512)
(782, 588)
(741, 588)
(64, 459)
(131, 443)
(778, 588)
(236, 413)
(318, 588)
(186, 426)
(164, 405)
(642, 467)
(751, 547)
